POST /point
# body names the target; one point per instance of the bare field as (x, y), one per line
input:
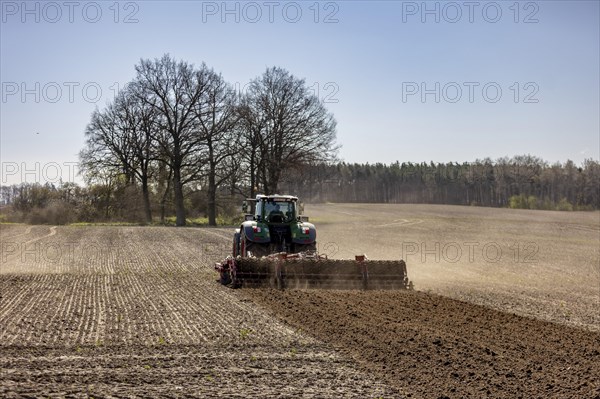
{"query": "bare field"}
(136, 312)
(541, 264)
(207, 371)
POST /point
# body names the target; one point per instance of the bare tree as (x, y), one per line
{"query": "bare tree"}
(120, 137)
(252, 124)
(141, 123)
(172, 90)
(107, 147)
(216, 120)
(105, 161)
(288, 125)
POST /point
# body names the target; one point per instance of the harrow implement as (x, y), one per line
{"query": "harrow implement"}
(310, 270)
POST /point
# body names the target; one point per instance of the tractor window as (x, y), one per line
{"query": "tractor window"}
(279, 211)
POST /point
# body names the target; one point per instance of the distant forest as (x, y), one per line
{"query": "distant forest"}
(179, 144)
(524, 182)
(518, 182)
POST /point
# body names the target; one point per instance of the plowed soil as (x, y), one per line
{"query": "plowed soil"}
(542, 264)
(430, 346)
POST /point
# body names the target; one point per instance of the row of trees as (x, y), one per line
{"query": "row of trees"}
(518, 182)
(177, 129)
(117, 201)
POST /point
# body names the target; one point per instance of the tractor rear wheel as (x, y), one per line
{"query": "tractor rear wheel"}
(248, 247)
(236, 245)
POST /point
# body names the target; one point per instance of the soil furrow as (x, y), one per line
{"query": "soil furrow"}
(434, 346)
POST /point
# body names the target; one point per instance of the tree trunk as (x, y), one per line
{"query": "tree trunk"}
(178, 191)
(162, 209)
(274, 174)
(107, 207)
(212, 194)
(252, 175)
(146, 197)
(163, 201)
(263, 177)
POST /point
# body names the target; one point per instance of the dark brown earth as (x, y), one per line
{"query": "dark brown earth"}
(546, 264)
(430, 346)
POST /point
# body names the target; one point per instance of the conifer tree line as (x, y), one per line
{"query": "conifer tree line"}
(523, 181)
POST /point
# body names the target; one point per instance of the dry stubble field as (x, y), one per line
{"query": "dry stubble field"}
(135, 311)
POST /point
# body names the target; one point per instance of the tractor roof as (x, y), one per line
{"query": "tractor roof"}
(276, 197)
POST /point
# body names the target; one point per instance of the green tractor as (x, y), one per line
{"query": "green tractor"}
(276, 247)
(274, 224)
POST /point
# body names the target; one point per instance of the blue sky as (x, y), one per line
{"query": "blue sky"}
(407, 81)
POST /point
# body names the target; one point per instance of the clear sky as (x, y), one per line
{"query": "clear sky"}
(407, 81)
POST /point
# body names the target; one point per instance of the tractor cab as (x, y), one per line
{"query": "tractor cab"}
(274, 209)
(273, 223)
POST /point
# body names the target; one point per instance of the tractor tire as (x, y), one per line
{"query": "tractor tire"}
(225, 278)
(243, 245)
(248, 247)
(236, 245)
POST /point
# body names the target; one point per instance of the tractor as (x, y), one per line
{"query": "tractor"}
(276, 247)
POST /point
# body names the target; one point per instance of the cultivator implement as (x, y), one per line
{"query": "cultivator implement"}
(309, 270)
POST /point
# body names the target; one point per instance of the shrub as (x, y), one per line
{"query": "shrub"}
(517, 202)
(532, 202)
(57, 212)
(523, 202)
(564, 205)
